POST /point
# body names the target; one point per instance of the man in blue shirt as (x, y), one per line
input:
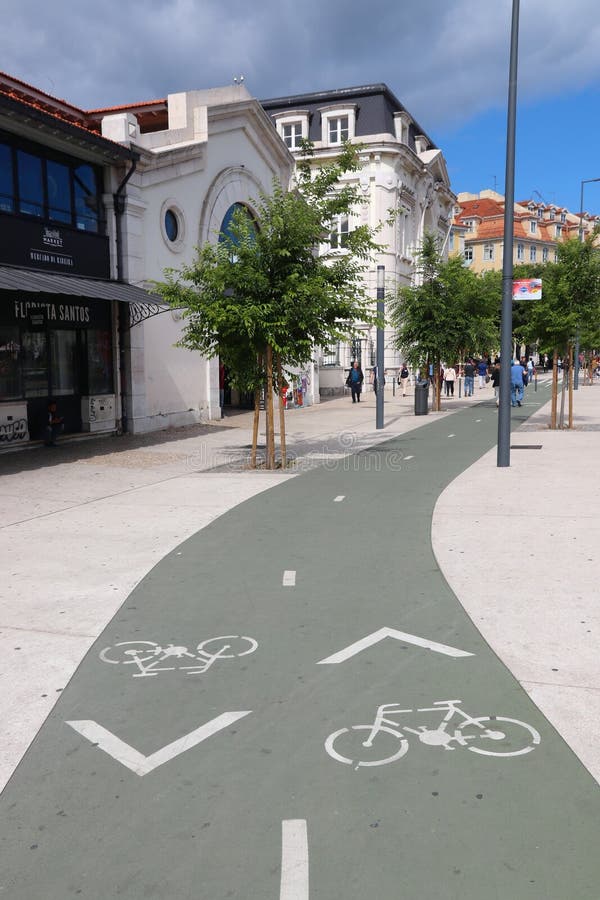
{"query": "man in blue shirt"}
(482, 369)
(355, 380)
(516, 383)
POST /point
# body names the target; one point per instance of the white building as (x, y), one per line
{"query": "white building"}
(201, 153)
(94, 205)
(401, 170)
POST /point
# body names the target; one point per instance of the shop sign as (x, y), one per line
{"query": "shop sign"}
(57, 312)
(36, 245)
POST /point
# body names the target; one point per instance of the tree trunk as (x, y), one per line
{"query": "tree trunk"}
(270, 438)
(438, 386)
(554, 401)
(255, 428)
(256, 420)
(281, 414)
(571, 378)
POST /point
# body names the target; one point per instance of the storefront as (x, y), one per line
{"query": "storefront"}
(54, 348)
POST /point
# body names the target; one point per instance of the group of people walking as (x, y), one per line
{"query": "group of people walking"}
(521, 373)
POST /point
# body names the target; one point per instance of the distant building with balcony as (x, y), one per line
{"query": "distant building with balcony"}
(478, 230)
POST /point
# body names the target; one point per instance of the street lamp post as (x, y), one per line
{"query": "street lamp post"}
(576, 359)
(380, 375)
(503, 458)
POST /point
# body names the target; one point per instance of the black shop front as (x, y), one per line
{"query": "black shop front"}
(53, 347)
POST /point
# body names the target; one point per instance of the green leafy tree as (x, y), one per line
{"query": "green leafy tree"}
(263, 297)
(570, 305)
(448, 313)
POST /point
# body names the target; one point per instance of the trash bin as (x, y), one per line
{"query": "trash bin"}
(421, 398)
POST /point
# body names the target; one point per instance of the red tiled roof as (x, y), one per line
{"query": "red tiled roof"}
(31, 98)
(482, 209)
(144, 104)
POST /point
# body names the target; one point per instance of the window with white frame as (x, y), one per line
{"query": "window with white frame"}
(468, 255)
(337, 129)
(451, 241)
(540, 212)
(338, 236)
(469, 225)
(532, 253)
(488, 252)
(533, 227)
(552, 215)
(558, 231)
(544, 254)
(292, 127)
(520, 251)
(563, 217)
(291, 133)
(338, 124)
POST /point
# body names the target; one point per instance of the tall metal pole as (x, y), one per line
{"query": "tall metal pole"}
(576, 359)
(507, 265)
(380, 345)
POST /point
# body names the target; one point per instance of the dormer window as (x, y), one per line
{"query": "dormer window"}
(563, 217)
(469, 225)
(292, 127)
(540, 212)
(338, 129)
(291, 133)
(338, 125)
(552, 215)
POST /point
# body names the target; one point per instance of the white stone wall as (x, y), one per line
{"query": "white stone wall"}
(220, 149)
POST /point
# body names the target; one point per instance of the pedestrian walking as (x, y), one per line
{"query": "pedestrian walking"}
(482, 370)
(449, 379)
(530, 370)
(495, 376)
(516, 383)
(469, 377)
(355, 381)
(403, 378)
(374, 379)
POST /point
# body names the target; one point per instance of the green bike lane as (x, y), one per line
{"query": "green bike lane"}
(154, 780)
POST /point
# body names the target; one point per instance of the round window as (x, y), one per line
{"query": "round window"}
(171, 225)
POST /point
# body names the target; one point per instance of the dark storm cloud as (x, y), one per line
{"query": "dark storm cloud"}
(446, 61)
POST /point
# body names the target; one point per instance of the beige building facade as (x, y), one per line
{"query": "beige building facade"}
(478, 230)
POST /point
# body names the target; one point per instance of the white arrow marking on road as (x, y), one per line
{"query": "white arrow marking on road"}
(339, 499)
(377, 636)
(136, 761)
(289, 578)
(294, 860)
(408, 457)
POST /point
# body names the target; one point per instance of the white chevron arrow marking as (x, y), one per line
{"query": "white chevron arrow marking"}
(136, 761)
(370, 639)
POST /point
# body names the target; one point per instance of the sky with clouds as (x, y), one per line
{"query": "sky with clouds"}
(446, 60)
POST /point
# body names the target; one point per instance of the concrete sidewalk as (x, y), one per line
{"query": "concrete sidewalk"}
(83, 524)
(519, 546)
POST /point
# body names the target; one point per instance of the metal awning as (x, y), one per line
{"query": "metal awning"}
(142, 304)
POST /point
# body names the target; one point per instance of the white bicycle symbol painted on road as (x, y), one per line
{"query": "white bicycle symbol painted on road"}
(149, 657)
(518, 737)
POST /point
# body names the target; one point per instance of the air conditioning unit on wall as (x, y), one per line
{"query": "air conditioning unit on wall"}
(98, 413)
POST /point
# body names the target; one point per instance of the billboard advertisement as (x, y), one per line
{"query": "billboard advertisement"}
(527, 289)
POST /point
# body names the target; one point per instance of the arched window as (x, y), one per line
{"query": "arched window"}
(225, 233)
